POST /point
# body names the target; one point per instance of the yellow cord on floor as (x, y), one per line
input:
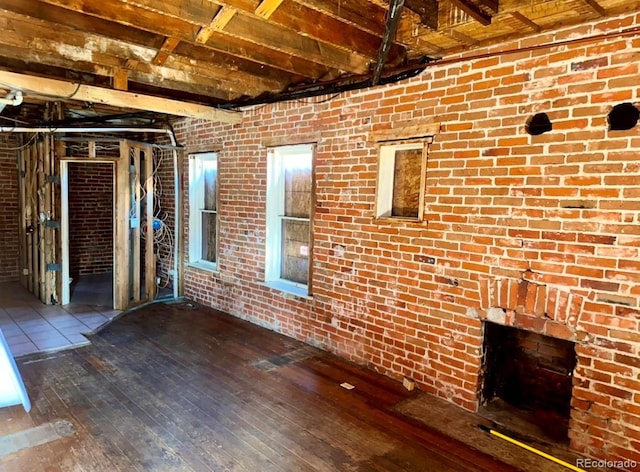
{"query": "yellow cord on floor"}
(532, 449)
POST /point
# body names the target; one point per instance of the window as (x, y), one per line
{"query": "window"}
(401, 181)
(203, 210)
(290, 202)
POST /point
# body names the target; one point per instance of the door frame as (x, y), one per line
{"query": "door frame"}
(64, 223)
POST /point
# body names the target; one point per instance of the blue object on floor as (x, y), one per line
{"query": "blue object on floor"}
(12, 391)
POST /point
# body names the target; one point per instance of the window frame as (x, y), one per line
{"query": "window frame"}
(385, 182)
(275, 202)
(196, 204)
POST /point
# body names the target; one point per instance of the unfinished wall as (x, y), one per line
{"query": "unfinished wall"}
(90, 218)
(9, 239)
(165, 212)
(538, 232)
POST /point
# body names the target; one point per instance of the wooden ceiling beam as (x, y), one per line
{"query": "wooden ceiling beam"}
(44, 39)
(362, 14)
(220, 20)
(427, 10)
(301, 24)
(287, 41)
(267, 7)
(225, 55)
(473, 11)
(522, 20)
(79, 71)
(595, 7)
(588, 7)
(491, 5)
(293, 58)
(196, 12)
(167, 48)
(29, 84)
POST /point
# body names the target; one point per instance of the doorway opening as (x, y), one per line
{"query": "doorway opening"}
(90, 198)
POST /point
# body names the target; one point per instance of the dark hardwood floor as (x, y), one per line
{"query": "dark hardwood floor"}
(174, 388)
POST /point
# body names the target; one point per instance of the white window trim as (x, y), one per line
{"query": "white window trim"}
(275, 214)
(385, 181)
(196, 202)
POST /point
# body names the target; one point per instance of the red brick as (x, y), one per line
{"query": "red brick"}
(495, 215)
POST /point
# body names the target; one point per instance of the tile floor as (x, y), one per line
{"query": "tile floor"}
(30, 326)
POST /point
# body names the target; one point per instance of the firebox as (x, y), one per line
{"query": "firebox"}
(530, 375)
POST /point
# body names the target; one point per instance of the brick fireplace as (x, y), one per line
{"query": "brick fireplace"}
(532, 373)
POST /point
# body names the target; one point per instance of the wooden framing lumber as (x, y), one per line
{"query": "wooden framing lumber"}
(473, 11)
(121, 230)
(267, 7)
(222, 18)
(118, 98)
(134, 152)
(149, 257)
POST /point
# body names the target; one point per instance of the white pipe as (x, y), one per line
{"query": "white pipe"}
(53, 129)
(176, 218)
(14, 101)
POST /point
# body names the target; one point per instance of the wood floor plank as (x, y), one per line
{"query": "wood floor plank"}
(175, 388)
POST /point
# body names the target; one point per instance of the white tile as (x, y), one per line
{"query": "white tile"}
(23, 349)
(77, 339)
(69, 322)
(53, 344)
(17, 339)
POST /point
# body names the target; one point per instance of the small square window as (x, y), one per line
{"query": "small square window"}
(401, 181)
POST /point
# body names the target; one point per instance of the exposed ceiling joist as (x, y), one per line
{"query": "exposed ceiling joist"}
(167, 47)
(222, 18)
(522, 20)
(267, 7)
(427, 10)
(65, 90)
(492, 5)
(229, 53)
(594, 6)
(473, 11)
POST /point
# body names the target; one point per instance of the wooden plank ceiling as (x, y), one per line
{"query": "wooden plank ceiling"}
(228, 53)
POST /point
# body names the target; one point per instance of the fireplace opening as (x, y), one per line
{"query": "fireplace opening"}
(527, 382)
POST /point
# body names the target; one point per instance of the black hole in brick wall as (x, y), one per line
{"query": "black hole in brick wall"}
(529, 376)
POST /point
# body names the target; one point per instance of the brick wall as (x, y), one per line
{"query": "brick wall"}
(90, 218)
(538, 232)
(9, 240)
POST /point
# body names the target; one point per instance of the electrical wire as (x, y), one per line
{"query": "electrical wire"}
(20, 148)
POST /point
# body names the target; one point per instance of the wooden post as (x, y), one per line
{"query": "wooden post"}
(40, 191)
(150, 259)
(57, 198)
(46, 230)
(136, 229)
(28, 221)
(22, 234)
(121, 229)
